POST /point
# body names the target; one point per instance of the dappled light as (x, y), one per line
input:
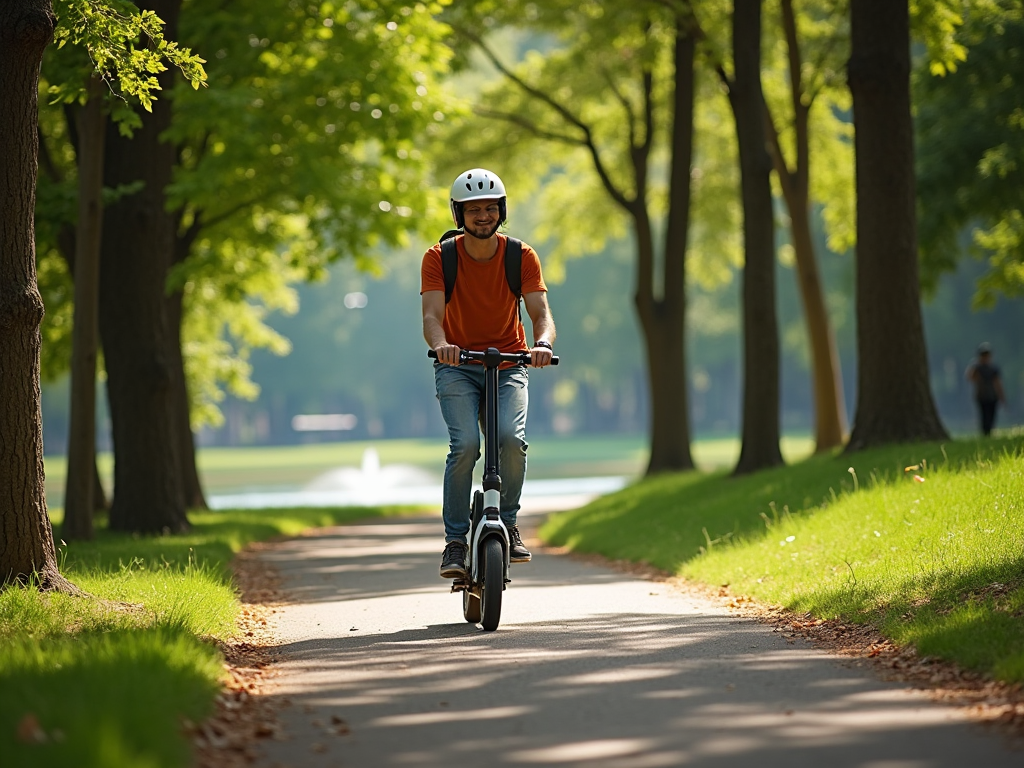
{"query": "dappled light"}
(765, 231)
(589, 667)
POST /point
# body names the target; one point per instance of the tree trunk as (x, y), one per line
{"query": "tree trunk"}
(192, 488)
(760, 448)
(826, 377)
(66, 246)
(138, 248)
(26, 538)
(79, 495)
(664, 322)
(894, 399)
(99, 496)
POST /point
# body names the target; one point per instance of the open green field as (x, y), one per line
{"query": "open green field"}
(229, 470)
(926, 542)
(107, 682)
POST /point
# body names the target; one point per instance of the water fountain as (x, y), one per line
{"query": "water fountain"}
(372, 479)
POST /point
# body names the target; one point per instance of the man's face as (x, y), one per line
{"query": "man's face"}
(481, 218)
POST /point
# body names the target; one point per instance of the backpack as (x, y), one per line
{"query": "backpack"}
(513, 266)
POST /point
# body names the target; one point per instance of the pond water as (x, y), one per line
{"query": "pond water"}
(373, 484)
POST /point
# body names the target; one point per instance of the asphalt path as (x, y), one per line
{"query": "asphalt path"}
(589, 667)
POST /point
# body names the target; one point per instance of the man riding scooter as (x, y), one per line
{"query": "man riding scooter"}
(477, 308)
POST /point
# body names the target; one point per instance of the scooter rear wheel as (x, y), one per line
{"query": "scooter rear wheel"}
(493, 562)
(470, 606)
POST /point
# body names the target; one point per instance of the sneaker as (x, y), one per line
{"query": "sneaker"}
(453, 561)
(519, 553)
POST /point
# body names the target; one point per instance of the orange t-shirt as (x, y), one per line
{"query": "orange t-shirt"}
(482, 312)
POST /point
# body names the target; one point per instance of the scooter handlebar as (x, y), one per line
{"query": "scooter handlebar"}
(466, 355)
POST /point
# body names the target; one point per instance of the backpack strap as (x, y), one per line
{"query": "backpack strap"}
(514, 271)
(513, 266)
(449, 262)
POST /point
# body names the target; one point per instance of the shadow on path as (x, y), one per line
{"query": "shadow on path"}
(588, 668)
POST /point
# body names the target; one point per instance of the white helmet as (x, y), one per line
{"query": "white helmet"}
(477, 184)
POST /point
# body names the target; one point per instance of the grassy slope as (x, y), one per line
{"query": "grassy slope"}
(938, 563)
(107, 685)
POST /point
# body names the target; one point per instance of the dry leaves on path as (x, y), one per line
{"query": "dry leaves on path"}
(244, 714)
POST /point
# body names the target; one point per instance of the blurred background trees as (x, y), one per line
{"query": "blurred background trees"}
(323, 147)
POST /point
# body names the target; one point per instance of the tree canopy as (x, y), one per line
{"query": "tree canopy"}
(970, 127)
(306, 146)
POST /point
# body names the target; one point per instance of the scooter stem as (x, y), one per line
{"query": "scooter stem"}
(492, 361)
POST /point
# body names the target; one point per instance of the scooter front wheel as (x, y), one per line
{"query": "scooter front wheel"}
(493, 562)
(470, 606)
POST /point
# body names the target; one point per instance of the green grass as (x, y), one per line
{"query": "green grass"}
(110, 678)
(938, 564)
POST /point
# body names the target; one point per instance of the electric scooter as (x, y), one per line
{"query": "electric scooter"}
(487, 557)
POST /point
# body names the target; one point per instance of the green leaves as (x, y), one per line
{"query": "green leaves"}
(308, 146)
(122, 44)
(936, 23)
(971, 153)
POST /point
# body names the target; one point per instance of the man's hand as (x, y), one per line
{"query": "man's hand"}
(448, 354)
(540, 357)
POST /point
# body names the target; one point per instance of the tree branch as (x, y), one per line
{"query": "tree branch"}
(800, 110)
(569, 117)
(700, 36)
(626, 106)
(522, 122)
(213, 221)
(184, 240)
(537, 93)
(648, 90)
(826, 52)
(775, 150)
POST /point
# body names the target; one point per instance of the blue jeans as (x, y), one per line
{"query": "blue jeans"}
(460, 391)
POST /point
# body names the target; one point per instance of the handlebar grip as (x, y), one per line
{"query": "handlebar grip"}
(433, 356)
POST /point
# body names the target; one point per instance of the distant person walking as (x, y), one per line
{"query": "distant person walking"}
(988, 386)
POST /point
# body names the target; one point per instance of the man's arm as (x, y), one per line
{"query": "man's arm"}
(998, 383)
(433, 328)
(543, 327)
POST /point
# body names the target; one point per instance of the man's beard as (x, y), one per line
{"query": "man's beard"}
(487, 236)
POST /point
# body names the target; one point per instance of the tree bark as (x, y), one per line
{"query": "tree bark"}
(66, 246)
(760, 448)
(79, 495)
(664, 321)
(192, 488)
(99, 496)
(138, 248)
(894, 398)
(826, 377)
(26, 538)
